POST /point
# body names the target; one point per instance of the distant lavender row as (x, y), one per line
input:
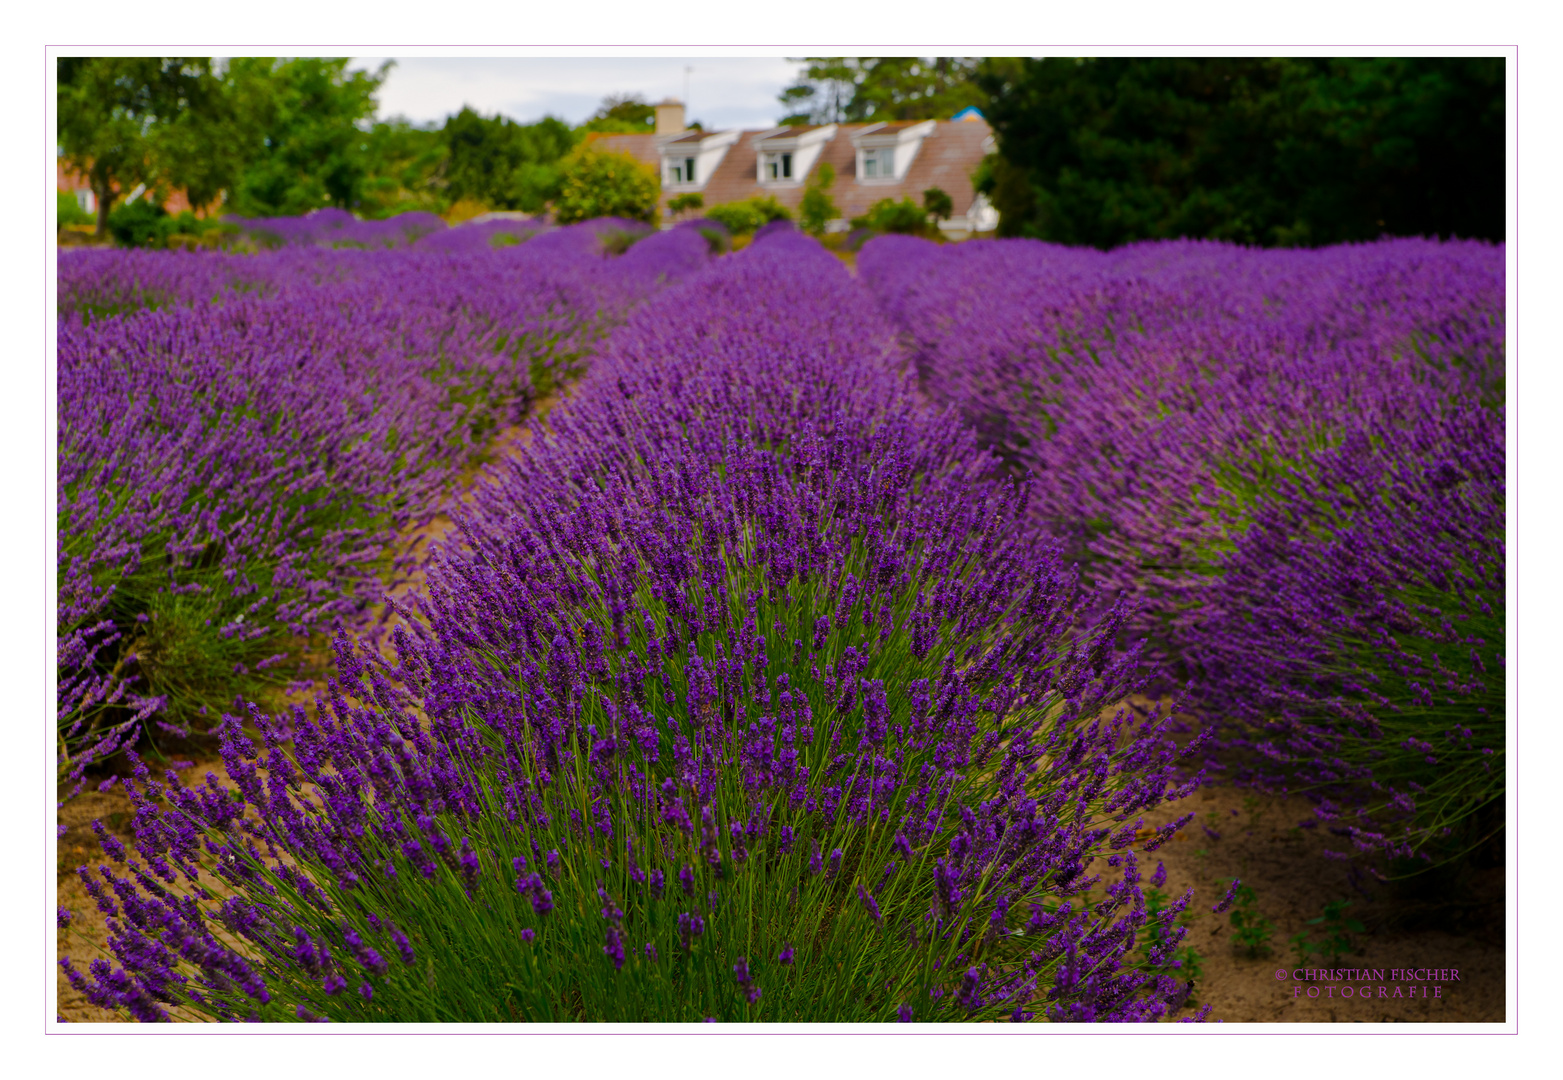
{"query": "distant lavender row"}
(746, 693)
(1125, 382)
(105, 282)
(232, 467)
(332, 227)
(1178, 408)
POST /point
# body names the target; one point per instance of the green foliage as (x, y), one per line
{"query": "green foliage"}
(817, 209)
(623, 114)
(938, 204)
(67, 211)
(129, 120)
(690, 200)
(618, 241)
(406, 166)
(855, 89)
(717, 240)
(1251, 931)
(1337, 940)
(503, 164)
(1274, 151)
(598, 183)
(301, 128)
(890, 216)
(143, 224)
(139, 224)
(748, 215)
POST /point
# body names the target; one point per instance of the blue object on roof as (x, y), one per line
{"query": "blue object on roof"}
(969, 112)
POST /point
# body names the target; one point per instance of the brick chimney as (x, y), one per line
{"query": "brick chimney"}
(670, 117)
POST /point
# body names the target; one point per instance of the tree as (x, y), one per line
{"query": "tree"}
(406, 166)
(598, 183)
(817, 209)
(1260, 151)
(623, 114)
(303, 131)
(938, 203)
(857, 89)
(503, 164)
(116, 115)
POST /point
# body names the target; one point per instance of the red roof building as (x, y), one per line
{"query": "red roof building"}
(872, 162)
(68, 180)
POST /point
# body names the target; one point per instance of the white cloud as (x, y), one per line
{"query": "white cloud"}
(724, 92)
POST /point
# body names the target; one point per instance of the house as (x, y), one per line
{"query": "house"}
(69, 180)
(872, 162)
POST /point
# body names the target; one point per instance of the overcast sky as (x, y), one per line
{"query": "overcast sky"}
(724, 92)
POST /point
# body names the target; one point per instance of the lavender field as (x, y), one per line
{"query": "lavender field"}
(842, 646)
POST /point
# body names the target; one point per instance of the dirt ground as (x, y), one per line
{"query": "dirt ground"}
(1292, 880)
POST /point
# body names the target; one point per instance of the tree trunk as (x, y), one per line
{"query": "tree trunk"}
(104, 195)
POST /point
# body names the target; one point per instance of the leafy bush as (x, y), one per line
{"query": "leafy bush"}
(938, 204)
(69, 212)
(689, 200)
(888, 216)
(139, 224)
(599, 183)
(817, 209)
(749, 215)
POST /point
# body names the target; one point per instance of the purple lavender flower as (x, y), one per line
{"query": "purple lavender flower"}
(614, 947)
(690, 926)
(403, 946)
(1226, 901)
(469, 863)
(745, 981)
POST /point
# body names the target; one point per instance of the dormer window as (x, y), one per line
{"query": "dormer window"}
(885, 151)
(690, 159)
(785, 155)
(681, 170)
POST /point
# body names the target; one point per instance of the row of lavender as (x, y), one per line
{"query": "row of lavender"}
(749, 693)
(242, 438)
(1293, 461)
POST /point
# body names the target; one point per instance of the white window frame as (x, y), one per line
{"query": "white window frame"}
(681, 169)
(776, 167)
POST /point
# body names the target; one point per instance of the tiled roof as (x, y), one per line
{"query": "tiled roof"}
(945, 159)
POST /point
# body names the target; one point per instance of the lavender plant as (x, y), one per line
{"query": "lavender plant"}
(236, 465)
(1252, 444)
(747, 693)
(768, 741)
(1373, 670)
